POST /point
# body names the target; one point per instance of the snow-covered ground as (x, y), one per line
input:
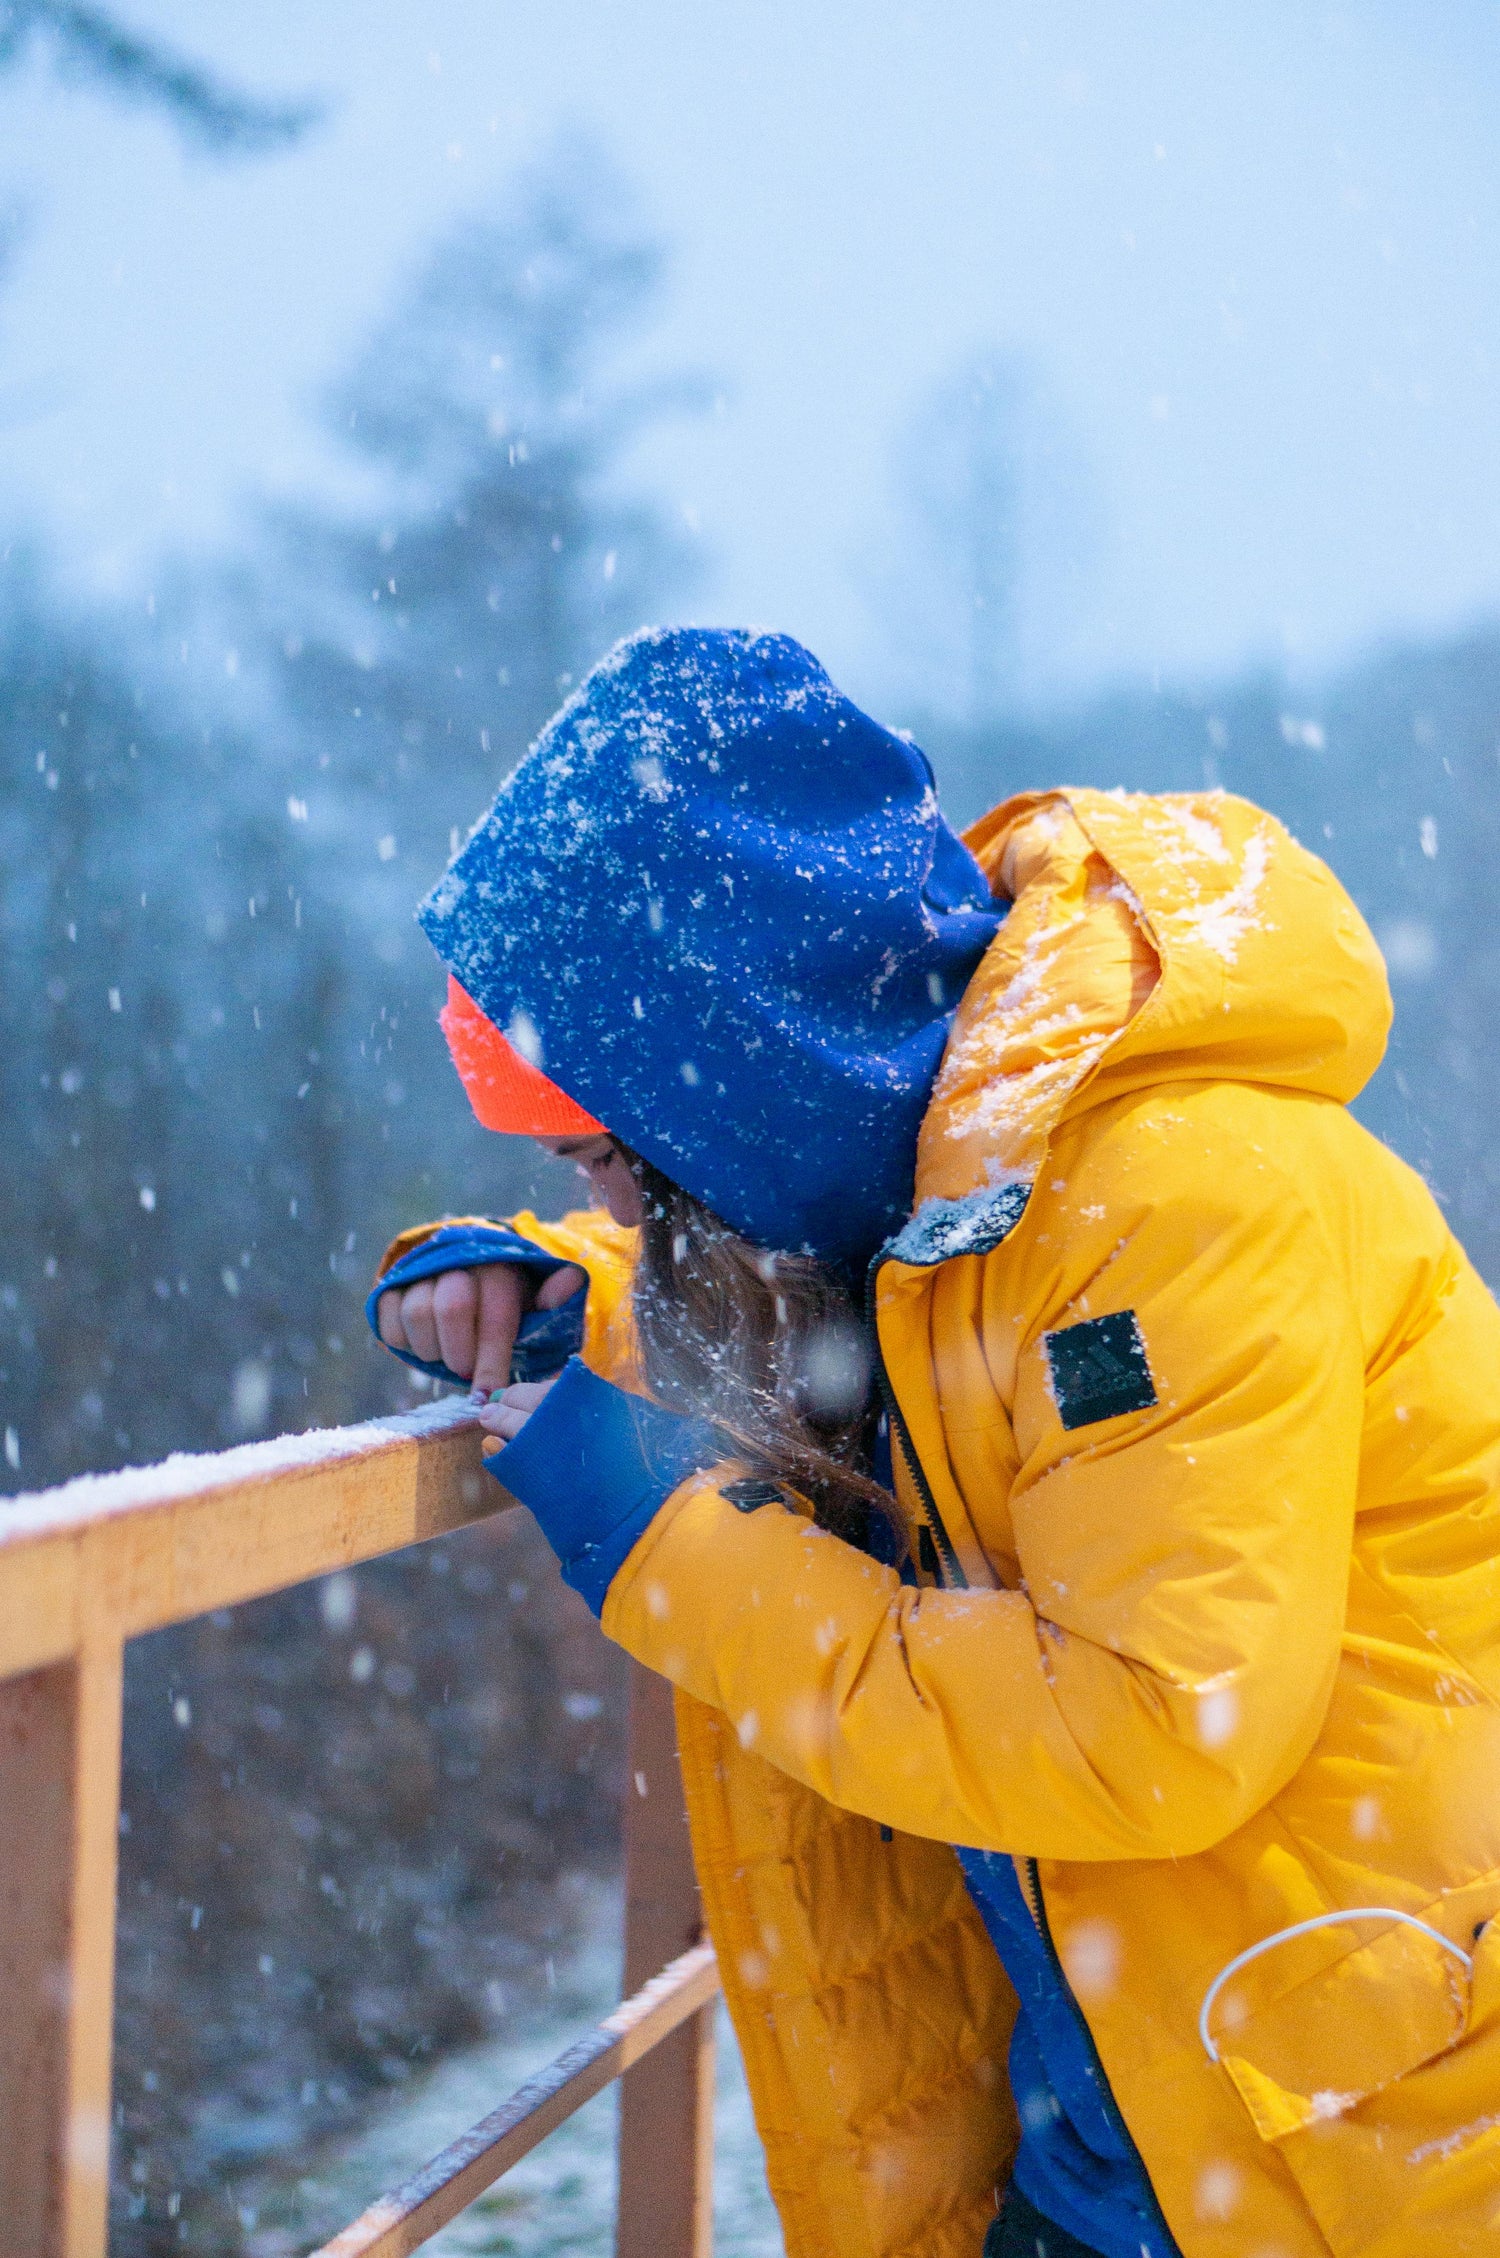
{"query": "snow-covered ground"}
(560, 2200)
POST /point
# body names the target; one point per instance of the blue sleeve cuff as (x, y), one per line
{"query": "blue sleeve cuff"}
(596, 1465)
(548, 1337)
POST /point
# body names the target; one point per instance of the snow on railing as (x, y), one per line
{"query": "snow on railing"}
(104, 1558)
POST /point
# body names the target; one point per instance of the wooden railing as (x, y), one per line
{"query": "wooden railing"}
(88, 1566)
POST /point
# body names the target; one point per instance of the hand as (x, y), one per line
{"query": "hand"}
(469, 1319)
(503, 1420)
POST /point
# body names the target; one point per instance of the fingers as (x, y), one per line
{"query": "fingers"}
(504, 1419)
(503, 1296)
(560, 1286)
(412, 1320)
(469, 1319)
(455, 1309)
(504, 1299)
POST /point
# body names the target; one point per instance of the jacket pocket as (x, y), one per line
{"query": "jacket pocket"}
(1373, 2075)
(1341, 2035)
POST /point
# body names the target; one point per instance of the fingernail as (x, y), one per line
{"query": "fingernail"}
(496, 1395)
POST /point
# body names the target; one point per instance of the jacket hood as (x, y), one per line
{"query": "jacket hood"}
(719, 907)
(1152, 939)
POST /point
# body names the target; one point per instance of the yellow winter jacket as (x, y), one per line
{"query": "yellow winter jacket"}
(1218, 1663)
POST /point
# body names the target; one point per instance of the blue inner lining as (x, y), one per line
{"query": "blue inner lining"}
(1074, 2164)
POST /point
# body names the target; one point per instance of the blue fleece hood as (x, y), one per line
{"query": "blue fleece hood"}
(719, 907)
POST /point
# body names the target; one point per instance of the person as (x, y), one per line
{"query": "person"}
(1050, 1446)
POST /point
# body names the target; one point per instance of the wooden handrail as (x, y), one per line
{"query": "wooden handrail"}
(107, 1557)
(133, 1552)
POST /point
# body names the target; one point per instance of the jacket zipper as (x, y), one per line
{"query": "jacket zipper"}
(1036, 1906)
(950, 1564)
(952, 1570)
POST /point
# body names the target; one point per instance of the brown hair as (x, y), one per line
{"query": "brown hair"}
(770, 1346)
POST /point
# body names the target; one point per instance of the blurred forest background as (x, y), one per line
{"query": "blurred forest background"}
(223, 1087)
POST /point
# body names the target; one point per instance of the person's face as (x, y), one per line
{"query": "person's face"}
(602, 1162)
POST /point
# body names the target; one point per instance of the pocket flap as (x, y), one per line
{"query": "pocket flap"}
(1344, 2033)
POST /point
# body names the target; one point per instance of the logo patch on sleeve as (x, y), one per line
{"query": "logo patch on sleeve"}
(1099, 1369)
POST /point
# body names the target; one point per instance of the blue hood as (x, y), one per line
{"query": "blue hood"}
(719, 907)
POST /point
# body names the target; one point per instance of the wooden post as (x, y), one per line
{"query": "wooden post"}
(666, 2101)
(59, 1821)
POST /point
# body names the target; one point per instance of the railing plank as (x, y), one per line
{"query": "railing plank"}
(399, 2223)
(156, 1545)
(82, 1568)
(107, 1557)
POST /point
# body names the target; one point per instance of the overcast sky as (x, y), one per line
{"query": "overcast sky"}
(1251, 252)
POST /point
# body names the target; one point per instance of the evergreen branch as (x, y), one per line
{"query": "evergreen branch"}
(92, 43)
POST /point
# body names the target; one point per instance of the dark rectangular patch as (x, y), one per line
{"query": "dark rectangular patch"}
(1099, 1369)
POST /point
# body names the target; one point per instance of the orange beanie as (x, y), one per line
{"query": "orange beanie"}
(505, 1090)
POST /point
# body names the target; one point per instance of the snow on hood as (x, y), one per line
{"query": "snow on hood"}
(1152, 939)
(719, 907)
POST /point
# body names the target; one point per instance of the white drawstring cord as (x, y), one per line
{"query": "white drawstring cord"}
(1300, 1929)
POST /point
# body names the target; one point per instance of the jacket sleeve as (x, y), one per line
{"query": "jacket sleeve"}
(1166, 1662)
(586, 1236)
(595, 1464)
